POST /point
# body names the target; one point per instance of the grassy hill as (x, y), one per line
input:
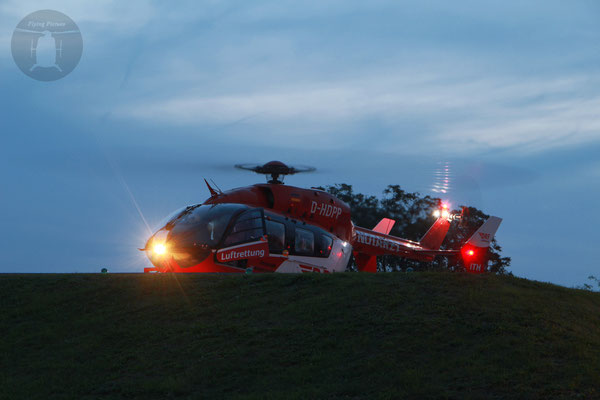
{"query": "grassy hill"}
(420, 335)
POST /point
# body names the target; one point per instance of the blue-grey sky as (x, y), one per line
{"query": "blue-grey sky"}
(372, 93)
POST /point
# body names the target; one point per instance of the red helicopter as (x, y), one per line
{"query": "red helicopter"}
(274, 227)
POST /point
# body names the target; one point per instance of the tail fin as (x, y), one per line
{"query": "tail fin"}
(384, 226)
(435, 235)
(475, 251)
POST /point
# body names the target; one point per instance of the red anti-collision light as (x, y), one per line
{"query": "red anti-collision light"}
(470, 252)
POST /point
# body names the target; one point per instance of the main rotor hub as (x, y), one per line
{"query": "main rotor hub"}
(274, 169)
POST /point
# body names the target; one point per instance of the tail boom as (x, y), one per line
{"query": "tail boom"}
(368, 244)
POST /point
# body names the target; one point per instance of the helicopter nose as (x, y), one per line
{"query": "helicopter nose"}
(157, 248)
(175, 250)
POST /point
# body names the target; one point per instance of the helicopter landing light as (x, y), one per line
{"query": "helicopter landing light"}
(159, 249)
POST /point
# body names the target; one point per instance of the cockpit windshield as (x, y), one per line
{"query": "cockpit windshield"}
(202, 224)
(169, 218)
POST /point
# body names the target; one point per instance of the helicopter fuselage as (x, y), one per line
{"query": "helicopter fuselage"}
(262, 228)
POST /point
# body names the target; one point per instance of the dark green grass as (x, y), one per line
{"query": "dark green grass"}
(420, 335)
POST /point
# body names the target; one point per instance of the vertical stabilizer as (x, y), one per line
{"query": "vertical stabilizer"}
(475, 252)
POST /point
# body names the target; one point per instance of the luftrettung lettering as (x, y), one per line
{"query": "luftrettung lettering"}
(234, 254)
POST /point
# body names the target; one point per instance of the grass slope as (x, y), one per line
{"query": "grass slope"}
(420, 335)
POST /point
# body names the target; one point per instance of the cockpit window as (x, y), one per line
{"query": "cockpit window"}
(170, 217)
(202, 224)
(247, 228)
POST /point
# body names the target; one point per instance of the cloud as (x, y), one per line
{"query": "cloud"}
(131, 14)
(418, 76)
(101, 20)
(463, 115)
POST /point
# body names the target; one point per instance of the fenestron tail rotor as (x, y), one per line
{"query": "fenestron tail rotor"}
(275, 170)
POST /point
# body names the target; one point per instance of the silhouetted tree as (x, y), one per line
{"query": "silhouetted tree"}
(586, 286)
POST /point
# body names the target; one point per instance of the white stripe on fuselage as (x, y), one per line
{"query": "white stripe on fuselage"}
(333, 263)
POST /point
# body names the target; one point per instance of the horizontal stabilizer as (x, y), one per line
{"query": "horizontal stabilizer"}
(384, 226)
